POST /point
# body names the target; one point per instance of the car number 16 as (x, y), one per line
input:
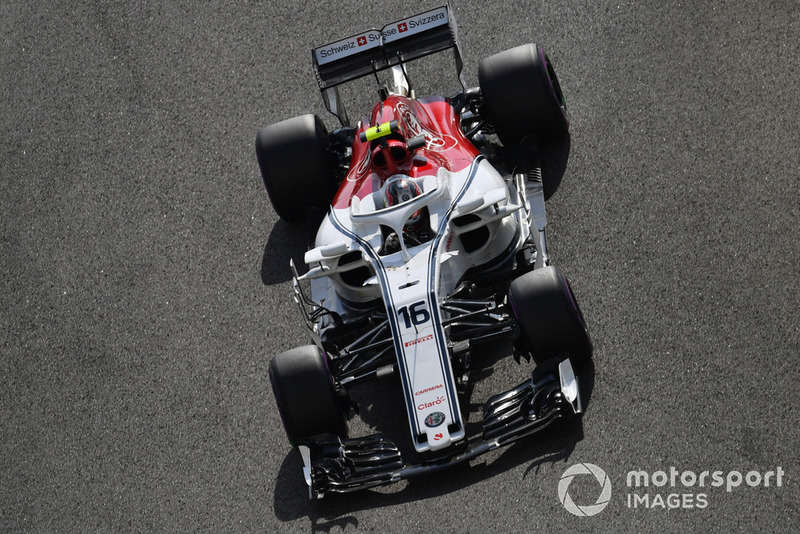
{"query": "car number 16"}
(416, 314)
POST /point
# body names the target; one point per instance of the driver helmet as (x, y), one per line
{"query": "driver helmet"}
(400, 191)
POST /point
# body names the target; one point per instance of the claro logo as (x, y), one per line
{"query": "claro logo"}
(424, 405)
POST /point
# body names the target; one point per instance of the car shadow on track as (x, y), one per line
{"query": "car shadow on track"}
(287, 241)
(555, 444)
(553, 159)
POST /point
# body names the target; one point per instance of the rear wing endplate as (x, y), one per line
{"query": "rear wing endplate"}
(376, 50)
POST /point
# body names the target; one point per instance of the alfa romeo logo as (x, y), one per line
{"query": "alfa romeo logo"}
(434, 419)
(584, 469)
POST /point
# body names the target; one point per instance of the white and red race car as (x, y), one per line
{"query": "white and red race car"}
(431, 242)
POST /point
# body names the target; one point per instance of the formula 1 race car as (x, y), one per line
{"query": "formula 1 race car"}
(431, 244)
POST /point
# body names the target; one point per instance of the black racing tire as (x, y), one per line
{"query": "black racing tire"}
(304, 393)
(550, 320)
(522, 95)
(296, 166)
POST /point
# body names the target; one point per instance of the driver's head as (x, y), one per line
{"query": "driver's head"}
(400, 191)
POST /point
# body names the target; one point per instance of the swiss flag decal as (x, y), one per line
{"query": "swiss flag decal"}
(403, 27)
(361, 41)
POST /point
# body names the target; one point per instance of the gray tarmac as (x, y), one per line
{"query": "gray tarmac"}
(145, 279)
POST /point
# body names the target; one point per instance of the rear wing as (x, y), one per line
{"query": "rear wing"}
(375, 50)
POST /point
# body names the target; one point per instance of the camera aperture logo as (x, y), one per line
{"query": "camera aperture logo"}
(590, 509)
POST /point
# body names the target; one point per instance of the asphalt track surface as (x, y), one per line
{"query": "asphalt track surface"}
(145, 284)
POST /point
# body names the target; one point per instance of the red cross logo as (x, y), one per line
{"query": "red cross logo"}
(403, 27)
(362, 41)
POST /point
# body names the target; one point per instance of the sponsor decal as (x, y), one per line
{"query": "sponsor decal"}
(449, 241)
(434, 419)
(426, 390)
(424, 405)
(336, 49)
(363, 166)
(419, 340)
(415, 128)
(417, 24)
(424, 20)
(346, 47)
(437, 437)
(407, 27)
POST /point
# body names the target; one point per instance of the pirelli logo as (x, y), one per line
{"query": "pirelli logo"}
(419, 340)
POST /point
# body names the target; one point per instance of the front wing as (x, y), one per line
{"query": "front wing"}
(335, 465)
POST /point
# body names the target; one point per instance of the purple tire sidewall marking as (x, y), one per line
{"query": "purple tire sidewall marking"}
(572, 301)
(280, 412)
(516, 316)
(552, 87)
(327, 367)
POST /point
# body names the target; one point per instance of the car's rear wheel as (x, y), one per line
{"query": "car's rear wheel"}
(296, 166)
(304, 393)
(551, 323)
(522, 95)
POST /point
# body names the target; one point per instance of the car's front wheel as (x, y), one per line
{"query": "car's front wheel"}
(550, 321)
(305, 395)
